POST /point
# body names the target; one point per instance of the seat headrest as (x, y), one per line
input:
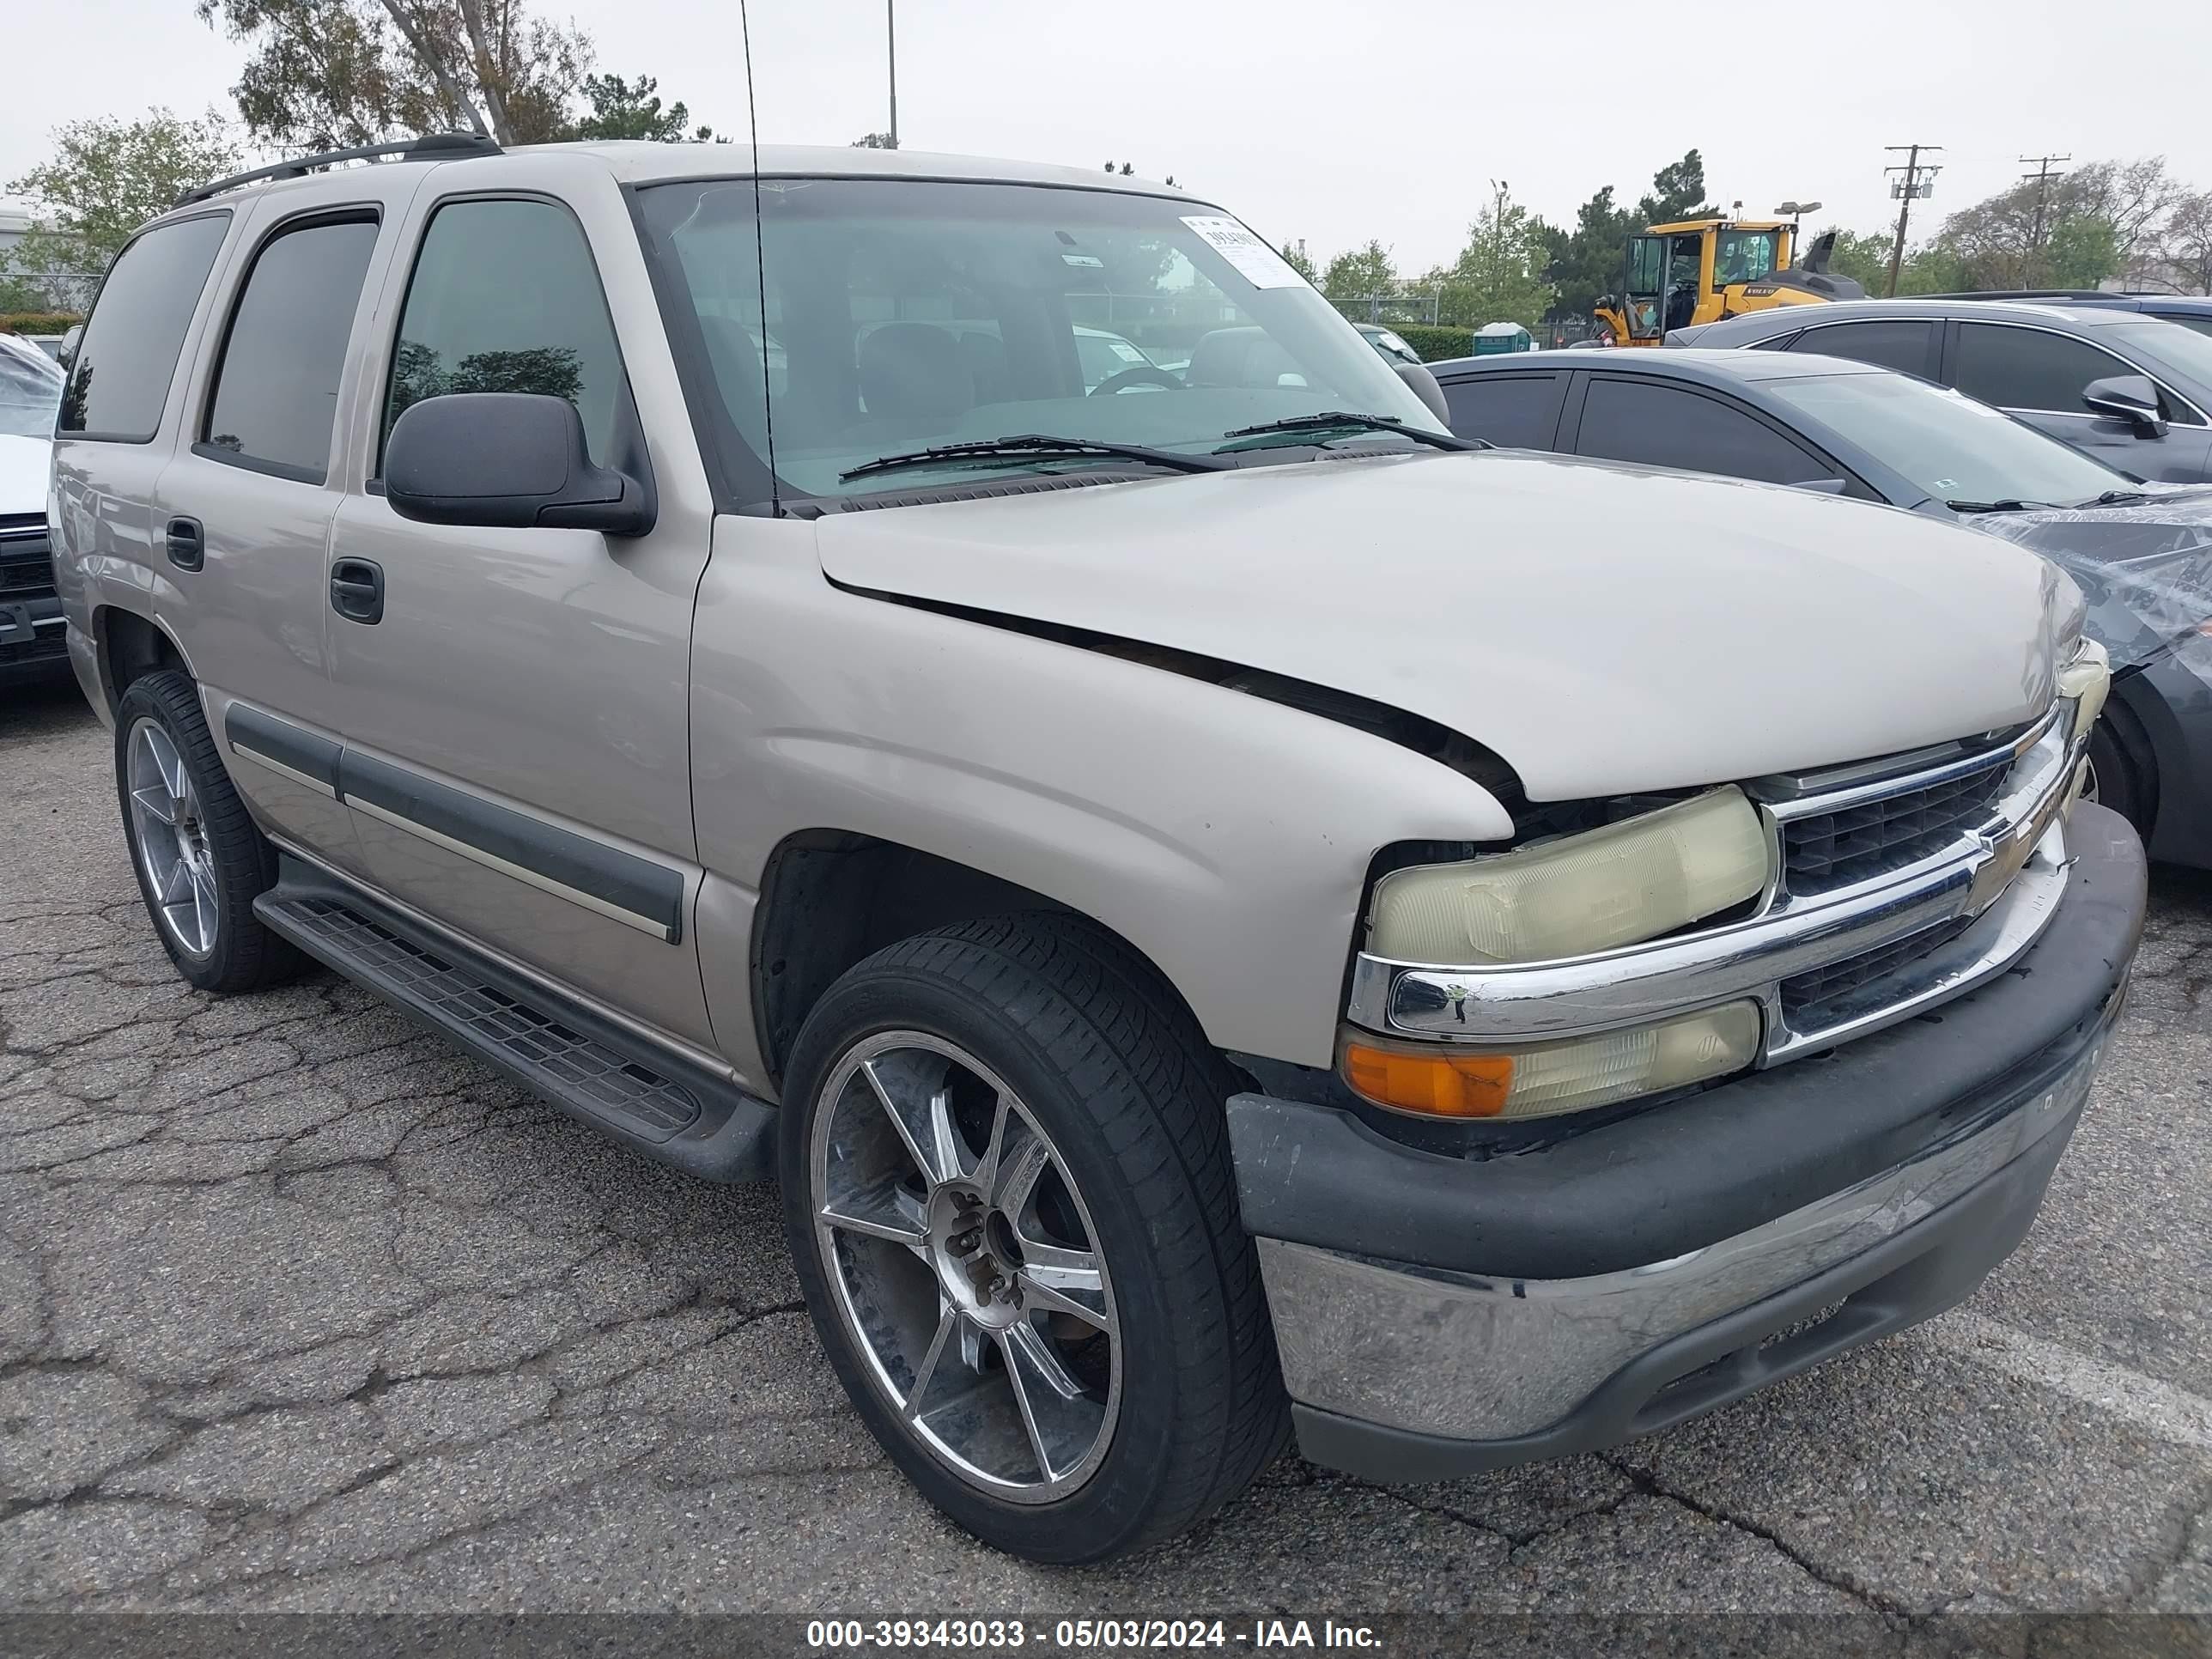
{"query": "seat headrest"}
(915, 372)
(1241, 356)
(986, 357)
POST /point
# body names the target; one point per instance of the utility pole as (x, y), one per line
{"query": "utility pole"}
(890, 57)
(1906, 189)
(2042, 175)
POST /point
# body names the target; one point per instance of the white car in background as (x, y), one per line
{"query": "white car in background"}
(31, 644)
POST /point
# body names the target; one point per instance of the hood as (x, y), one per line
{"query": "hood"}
(23, 464)
(2145, 568)
(1604, 629)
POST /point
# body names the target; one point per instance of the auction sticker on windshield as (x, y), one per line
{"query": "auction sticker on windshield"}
(1259, 264)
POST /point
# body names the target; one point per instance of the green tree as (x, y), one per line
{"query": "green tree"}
(875, 140)
(632, 109)
(1588, 262)
(356, 72)
(1678, 191)
(1359, 272)
(2187, 255)
(1863, 256)
(2070, 231)
(2083, 250)
(1499, 276)
(105, 179)
(1295, 257)
(21, 293)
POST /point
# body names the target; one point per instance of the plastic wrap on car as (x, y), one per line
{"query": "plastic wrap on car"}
(2144, 567)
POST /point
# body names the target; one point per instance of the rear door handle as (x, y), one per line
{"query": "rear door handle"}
(187, 543)
(357, 590)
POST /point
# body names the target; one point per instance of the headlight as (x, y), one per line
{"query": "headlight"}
(1543, 1079)
(1630, 881)
(2084, 681)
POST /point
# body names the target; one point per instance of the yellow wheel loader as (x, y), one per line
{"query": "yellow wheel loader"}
(1699, 271)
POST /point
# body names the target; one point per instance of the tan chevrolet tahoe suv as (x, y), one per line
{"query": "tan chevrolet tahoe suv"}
(1225, 913)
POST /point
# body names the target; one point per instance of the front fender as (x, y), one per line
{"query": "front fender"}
(1226, 838)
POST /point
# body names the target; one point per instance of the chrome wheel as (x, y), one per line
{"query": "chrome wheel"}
(173, 842)
(964, 1266)
(2089, 780)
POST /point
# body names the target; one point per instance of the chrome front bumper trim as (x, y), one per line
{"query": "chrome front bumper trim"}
(2008, 874)
(1469, 1358)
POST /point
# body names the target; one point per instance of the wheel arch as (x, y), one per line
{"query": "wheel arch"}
(830, 898)
(130, 645)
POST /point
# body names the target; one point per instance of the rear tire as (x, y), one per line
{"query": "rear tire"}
(200, 860)
(1126, 1096)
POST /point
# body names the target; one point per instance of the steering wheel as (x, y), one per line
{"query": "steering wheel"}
(1137, 375)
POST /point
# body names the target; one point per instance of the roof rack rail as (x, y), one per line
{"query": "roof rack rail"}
(434, 146)
(2025, 294)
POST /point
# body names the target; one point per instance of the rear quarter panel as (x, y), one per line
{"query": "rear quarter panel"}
(108, 549)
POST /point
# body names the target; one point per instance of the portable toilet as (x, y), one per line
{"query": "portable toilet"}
(1502, 337)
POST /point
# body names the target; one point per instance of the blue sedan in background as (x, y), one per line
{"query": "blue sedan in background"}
(2141, 552)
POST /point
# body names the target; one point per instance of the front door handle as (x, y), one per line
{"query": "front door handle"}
(357, 590)
(187, 543)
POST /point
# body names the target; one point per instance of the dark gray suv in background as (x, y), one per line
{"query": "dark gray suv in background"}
(2133, 391)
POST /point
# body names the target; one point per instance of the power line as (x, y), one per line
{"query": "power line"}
(2042, 175)
(1906, 189)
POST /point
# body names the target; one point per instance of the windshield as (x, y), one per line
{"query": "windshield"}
(30, 391)
(1743, 256)
(911, 314)
(2169, 345)
(1949, 445)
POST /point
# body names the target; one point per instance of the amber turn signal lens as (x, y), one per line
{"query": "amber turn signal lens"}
(1543, 1079)
(1437, 1085)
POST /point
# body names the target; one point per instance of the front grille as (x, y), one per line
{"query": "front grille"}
(1827, 850)
(26, 563)
(48, 645)
(1822, 996)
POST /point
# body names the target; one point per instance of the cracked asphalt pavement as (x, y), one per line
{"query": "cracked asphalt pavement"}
(300, 1309)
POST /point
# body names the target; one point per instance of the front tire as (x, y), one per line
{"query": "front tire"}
(2122, 776)
(200, 860)
(1006, 1184)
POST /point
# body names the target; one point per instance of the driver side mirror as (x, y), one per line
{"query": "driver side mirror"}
(70, 335)
(1427, 388)
(514, 459)
(2130, 397)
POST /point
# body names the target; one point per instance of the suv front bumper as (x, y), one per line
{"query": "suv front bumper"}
(1438, 1315)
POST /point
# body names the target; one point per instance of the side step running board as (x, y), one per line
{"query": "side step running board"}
(586, 1065)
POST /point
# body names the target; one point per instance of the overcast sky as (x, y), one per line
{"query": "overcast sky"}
(1336, 122)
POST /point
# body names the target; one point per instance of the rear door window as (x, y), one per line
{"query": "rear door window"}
(1520, 411)
(1891, 342)
(128, 354)
(2027, 367)
(1660, 425)
(276, 388)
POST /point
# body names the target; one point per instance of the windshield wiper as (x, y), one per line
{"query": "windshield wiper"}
(1338, 420)
(2008, 505)
(1033, 443)
(2115, 498)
